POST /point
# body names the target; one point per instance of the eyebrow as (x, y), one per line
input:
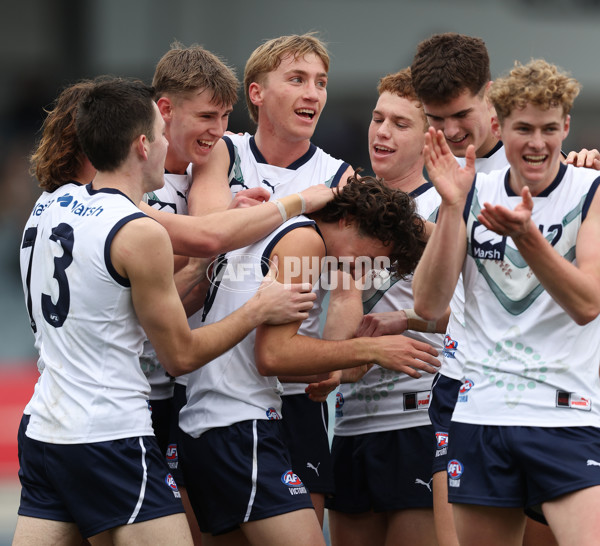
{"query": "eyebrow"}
(304, 73)
(394, 117)
(454, 114)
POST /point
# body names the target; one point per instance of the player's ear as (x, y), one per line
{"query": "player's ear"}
(567, 125)
(140, 145)
(165, 106)
(255, 93)
(496, 128)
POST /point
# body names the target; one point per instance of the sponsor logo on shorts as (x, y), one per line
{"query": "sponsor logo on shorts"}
(171, 455)
(572, 401)
(272, 414)
(294, 483)
(441, 439)
(455, 471)
(463, 395)
(450, 346)
(416, 400)
(339, 402)
(419, 481)
(591, 462)
(170, 481)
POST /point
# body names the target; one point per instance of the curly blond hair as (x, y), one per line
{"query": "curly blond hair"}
(539, 83)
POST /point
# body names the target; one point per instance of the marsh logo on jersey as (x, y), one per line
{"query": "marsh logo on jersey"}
(441, 439)
(170, 481)
(65, 200)
(339, 403)
(572, 401)
(450, 346)
(455, 471)
(485, 244)
(463, 392)
(171, 455)
(272, 414)
(294, 483)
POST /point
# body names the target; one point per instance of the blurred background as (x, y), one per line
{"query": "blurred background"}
(47, 45)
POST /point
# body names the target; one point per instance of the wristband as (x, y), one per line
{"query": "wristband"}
(282, 210)
(415, 322)
(294, 204)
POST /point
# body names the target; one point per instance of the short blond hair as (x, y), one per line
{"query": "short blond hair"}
(539, 83)
(268, 56)
(182, 71)
(400, 84)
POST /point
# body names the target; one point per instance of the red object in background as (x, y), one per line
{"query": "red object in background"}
(17, 380)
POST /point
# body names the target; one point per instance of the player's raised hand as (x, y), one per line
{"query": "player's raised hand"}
(452, 181)
(512, 223)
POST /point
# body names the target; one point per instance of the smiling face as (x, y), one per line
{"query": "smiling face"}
(290, 98)
(396, 137)
(465, 119)
(533, 138)
(194, 125)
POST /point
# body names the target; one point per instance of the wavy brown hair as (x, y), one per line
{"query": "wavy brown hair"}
(58, 157)
(383, 213)
(447, 64)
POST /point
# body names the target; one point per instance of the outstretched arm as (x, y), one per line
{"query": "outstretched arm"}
(141, 251)
(576, 288)
(446, 248)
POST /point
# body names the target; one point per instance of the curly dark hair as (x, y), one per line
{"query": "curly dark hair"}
(383, 213)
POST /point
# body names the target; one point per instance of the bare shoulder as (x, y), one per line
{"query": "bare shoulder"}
(141, 242)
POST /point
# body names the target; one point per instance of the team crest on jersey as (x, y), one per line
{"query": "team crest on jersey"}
(339, 402)
(572, 400)
(486, 244)
(450, 346)
(441, 439)
(272, 414)
(455, 471)
(170, 481)
(294, 483)
(463, 392)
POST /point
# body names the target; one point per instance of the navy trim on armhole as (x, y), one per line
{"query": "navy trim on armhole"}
(338, 175)
(231, 150)
(469, 202)
(109, 238)
(265, 260)
(589, 197)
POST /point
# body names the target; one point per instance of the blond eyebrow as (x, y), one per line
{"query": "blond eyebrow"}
(301, 72)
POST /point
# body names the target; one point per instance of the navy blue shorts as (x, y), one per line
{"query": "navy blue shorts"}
(444, 392)
(160, 411)
(172, 449)
(383, 471)
(515, 466)
(304, 427)
(98, 486)
(240, 473)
